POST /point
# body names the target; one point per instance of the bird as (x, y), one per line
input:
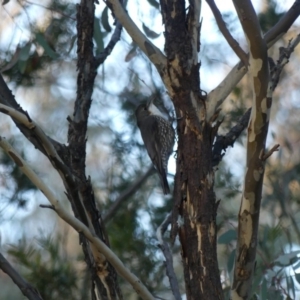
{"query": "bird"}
(159, 136)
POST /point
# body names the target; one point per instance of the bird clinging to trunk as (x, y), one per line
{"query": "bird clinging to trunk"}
(158, 136)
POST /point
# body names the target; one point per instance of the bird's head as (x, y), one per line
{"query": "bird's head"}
(142, 111)
(147, 109)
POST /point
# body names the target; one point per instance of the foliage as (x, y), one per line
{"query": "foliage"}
(116, 157)
(47, 264)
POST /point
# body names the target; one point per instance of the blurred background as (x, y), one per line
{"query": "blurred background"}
(38, 61)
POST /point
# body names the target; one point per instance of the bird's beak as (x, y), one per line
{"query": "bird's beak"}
(150, 102)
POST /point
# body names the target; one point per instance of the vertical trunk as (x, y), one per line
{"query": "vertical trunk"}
(196, 208)
(256, 142)
(194, 213)
(104, 276)
(198, 213)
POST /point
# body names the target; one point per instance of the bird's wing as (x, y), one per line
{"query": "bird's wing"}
(154, 143)
(149, 134)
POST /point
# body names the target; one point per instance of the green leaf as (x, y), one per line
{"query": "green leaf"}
(256, 282)
(297, 276)
(42, 42)
(153, 3)
(24, 53)
(227, 237)
(22, 66)
(150, 33)
(98, 36)
(290, 284)
(104, 20)
(22, 57)
(230, 261)
(287, 259)
(297, 266)
(264, 289)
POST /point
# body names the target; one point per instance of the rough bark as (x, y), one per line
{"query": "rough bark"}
(104, 275)
(195, 209)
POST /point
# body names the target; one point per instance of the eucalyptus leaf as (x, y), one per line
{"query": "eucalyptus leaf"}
(287, 259)
(264, 290)
(227, 237)
(104, 20)
(230, 262)
(150, 33)
(153, 3)
(42, 42)
(25, 51)
(98, 36)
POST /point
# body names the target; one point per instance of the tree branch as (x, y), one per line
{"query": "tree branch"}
(26, 288)
(126, 194)
(223, 142)
(256, 142)
(99, 59)
(284, 55)
(103, 274)
(23, 120)
(152, 52)
(193, 17)
(97, 246)
(163, 245)
(270, 152)
(7, 98)
(217, 96)
(283, 25)
(226, 33)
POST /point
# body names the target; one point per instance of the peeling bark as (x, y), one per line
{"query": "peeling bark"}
(195, 209)
(82, 197)
(255, 164)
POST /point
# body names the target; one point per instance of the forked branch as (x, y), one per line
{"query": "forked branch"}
(226, 33)
(217, 96)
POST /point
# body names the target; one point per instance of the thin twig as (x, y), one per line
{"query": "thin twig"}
(270, 152)
(126, 194)
(224, 141)
(226, 33)
(47, 206)
(52, 9)
(26, 288)
(284, 55)
(99, 59)
(163, 245)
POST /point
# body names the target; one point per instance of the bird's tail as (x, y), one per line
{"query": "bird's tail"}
(164, 182)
